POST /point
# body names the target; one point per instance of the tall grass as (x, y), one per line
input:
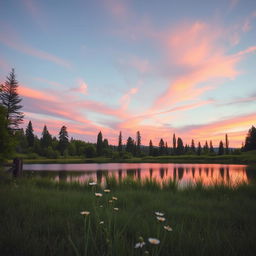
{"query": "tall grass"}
(41, 217)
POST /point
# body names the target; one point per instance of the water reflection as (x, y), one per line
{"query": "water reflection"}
(183, 173)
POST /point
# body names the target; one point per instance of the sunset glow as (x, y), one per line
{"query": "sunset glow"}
(158, 67)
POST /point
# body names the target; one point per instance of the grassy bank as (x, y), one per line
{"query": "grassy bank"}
(39, 217)
(243, 158)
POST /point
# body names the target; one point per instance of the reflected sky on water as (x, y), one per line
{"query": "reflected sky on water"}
(183, 173)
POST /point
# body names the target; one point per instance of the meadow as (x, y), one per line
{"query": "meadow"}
(42, 217)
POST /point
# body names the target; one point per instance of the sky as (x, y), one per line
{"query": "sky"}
(158, 67)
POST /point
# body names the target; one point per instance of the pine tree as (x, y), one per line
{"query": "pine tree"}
(211, 147)
(174, 143)
(63, 139)
(193, 148)
(221, 148)
(10, 99)
(250, 141)
(226, 145)
(46, 139)
(30, 135)
(6, 145)
(105, 143)
(99, 147)
(161, 147)
(199, 149)
(130, 145)
(151, 148)
(166, 149)
(206, 147)
(186, 149)
(120, 146)
(138, 144)
(180, 147)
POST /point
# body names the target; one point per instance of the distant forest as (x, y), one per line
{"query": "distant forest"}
(16, 140)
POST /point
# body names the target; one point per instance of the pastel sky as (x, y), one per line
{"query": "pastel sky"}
(159, 67)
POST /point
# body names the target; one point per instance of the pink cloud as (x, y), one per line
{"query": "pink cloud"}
(36, 94)
(206, 60)
(126, 98)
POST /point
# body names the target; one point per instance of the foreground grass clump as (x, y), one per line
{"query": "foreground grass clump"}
(39, 217)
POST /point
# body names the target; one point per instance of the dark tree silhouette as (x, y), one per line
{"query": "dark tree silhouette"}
(105, 143)
(161, 147)
(30, 134)
(138, 144)
(211, 147)
(193, 148)
(130, 145)
(180, 147)
(10, 99)
(166, 149)
(174, 143)
(186, 149)
(199, 148)
(206, 147)
(63, 139)
(120, 145)
(151, 148)
(250, 140)
(99, 147)
(5, 138)
(46, 139)
(221, 148)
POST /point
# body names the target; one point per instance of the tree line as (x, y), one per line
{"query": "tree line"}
(15, 139)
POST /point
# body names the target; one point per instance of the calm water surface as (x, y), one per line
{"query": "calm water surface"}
(183, 173)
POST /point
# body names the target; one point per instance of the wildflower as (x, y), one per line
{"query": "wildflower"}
(101, 206)
(106, 190)
(85, 213)
(101, 222)
(154, 241)
(98, 194)
(110, 201)
(139, 245)
(116, 209)
(161, 219)
(159, 214)
(92, 183)
(168, 228)
(114, 198)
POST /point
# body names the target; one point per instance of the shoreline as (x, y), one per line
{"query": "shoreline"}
(225, 159)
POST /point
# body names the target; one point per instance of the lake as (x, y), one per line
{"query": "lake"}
(183, 173)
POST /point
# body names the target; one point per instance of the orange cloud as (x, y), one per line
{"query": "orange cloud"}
(235, 127)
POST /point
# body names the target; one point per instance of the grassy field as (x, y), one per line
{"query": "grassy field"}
(39, 217)
(243, 158)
